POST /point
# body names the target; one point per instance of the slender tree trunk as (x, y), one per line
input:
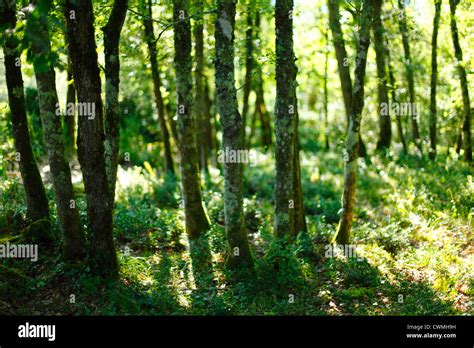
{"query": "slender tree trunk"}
(385, 126)
(203, 145)
(71, 226)
(410, 74)
(170, 112)
(197, 222)
(232, 138)
(300, 219)
(210, 124)
(352, 141)
(36, 201)
(393, 95)
(466, 128)
(289, 210)
(199, 77)
(342, 63)
(151, 42)
(285, 119)
(248, 64)
(112, 32)
(434, 74)
(458, 145)
(70, 120)
(262, 111)
(325, 87)
(90, 141)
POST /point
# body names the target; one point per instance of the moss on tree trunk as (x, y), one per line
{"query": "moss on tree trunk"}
(352, 140)
(385, 126)
(197, 221)
(112, 32)
(232, 138)
(36, 201)
(409, 74)
(151, 42)
(466, 127)
(289, 210)
(90, 141)
(71, 226)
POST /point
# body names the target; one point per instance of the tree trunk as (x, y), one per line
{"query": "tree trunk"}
(36, 201)
(70, 120)
(248, 65)
(325, 87)
(197, 221)
(112, 32)
(393, 95)
(90, 141)
(112, 81)
(434, 74)
(285, 119)
(410, 74)
(385, 134)
(289, 211)
(232, 138)
(210, 135)
(170, 112)
(342, 64)
(466, 128)
(71, 226)
(199, 78)
(261, 110)
(151, 42)
(352, 141)
(299, 219)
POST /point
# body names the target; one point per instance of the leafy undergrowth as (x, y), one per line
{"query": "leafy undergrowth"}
(413, 232)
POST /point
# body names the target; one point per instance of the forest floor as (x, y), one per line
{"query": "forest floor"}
(413, 231)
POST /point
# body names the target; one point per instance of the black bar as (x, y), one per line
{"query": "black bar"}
(290, 331)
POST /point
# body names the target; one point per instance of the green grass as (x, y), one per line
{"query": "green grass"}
(413, 225)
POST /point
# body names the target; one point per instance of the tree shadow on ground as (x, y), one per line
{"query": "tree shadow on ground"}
(349, 286)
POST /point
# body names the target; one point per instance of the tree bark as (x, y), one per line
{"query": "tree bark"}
(70, 120)
(434, 75)
(410, 74)
(197, 221)
(211, 139)
(90, 141)
(248, 64)
(466, 128)
(352, 141)
(393, 95)
(342, 64)
(325, 88)
(112, 32)
(203, 147)
(285, 119)
(261, 111)
(232, 138)
(151, 42)
(385, 127)
(289, 210)
(36, 201)
(71, 226)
